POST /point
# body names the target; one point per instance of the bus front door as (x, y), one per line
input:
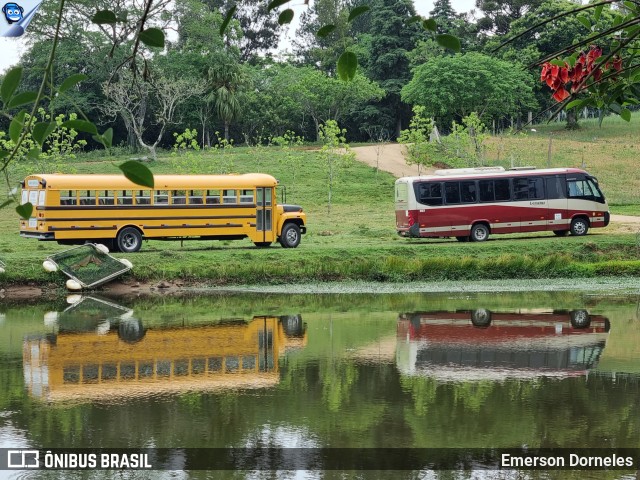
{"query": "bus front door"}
(557, 214)
(264, 215)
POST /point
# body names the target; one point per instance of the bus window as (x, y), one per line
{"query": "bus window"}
(578, 189)
(41, 197)
(594, 189)
(67, 197)
(429, 193)
(215, 364)
(468, 192)
(161, 197)
(487, 191)
(536, 188)
(452, 192)
(213, 197)
(531, 188)
(88, 197)
(179, 197)
(195, 197)
(503, 190)
(246, 196)
(125, 197)
(25, 197)
(143, 197)
(229, 196)
(554, 188)
(107, 198)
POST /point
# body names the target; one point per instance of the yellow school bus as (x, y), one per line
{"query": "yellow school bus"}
(110, 209)
(113, 362)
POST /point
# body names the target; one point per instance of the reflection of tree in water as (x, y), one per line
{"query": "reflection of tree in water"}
(337, 383)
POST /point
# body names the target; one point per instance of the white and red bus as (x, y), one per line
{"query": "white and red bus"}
(472, 203)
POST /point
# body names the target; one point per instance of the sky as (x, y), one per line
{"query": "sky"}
(11, 48)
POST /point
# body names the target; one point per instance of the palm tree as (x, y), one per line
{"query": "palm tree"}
(226, 80)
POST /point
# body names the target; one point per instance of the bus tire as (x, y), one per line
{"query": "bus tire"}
(561, 233)
(579, 226)
(129, 240)
(131, 330)
(479, 232)
(462, 239)
(580, 319)
(290, 236)
(262, 244)
(481, 317)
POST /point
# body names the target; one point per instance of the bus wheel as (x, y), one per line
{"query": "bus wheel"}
(579, 226)
(129, 240)
(561, 233)
(481, 317)
(131, 330)
(290, 236)
(462, 239)
(479, 232)
(262, 244)
(580, 319)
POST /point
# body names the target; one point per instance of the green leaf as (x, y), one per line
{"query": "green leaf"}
(597, 12)
(16, 125)
(347, 65)
(414, 19)
(25, 210)
(71, 81)
(227, 19)
(81, 126)
(10, 83)
(573, 104)
(625, 114)
(326, 30)
(356, 12)
(584, 21)
(630, 5)
(152, 37)
(107, 136)
(34, 153)
(22, 98)
(285, 17)
(557, 63)
(42, 130)
(137, 173)
(430, 24)
(4, 154)
(449, 41)
(104, 17)
(276, 3)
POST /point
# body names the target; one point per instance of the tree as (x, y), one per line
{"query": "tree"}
(226, 79)
(139, 103)
(453, 87)
(385, 60)
(335, 153)
(499, 14)
(444, 14)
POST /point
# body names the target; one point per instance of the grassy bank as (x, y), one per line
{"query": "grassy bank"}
(356, 241)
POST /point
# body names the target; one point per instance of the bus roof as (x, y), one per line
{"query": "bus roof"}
(493, 174)
(170, 182)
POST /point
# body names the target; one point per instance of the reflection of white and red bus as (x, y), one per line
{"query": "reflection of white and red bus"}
(484, 344)
(472, 203)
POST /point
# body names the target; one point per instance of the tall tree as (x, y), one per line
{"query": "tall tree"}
(385, 61)
(444, 14)
(499, 14)
(226, 79)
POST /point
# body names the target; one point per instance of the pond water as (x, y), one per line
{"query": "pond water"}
(380, 374)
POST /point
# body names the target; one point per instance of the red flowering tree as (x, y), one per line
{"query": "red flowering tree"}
(602, 71)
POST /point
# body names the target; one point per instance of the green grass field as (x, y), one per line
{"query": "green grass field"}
(357, 240)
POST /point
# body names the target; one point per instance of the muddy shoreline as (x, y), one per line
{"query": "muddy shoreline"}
(133, 288)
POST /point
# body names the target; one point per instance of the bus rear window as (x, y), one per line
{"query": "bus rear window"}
(429, 193)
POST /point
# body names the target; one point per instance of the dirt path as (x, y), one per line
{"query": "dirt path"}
(391, 158)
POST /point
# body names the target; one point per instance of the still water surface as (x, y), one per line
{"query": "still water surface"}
(368, 371)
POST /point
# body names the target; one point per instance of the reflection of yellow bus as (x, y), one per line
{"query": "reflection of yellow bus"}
(102, 364)
(115, 211)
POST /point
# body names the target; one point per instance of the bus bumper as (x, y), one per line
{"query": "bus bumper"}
(412, 231)
(39, 236)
